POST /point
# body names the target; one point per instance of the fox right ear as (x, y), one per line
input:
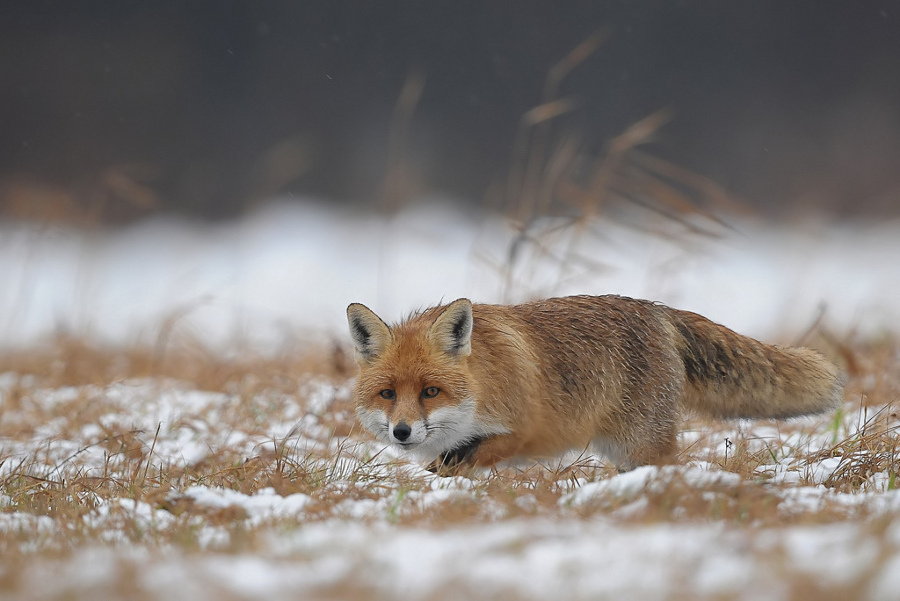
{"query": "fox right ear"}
(370, 335)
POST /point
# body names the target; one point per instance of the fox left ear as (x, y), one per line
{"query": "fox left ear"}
(452, 330)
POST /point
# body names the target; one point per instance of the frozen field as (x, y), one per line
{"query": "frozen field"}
(150, 489)
(152, 468)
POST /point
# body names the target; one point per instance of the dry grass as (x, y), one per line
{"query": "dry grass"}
(558, 185)
(255, 392)
(69, 498)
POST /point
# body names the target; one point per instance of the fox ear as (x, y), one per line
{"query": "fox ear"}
(370, 335)
(452, 330)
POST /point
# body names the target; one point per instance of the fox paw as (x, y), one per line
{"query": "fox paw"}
(455, 461)
(440, 468)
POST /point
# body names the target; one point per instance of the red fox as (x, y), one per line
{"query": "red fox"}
(468, 385)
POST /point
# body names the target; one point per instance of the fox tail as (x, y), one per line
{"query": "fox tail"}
(733, 376)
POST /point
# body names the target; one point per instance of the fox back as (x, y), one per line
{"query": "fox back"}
(476, 384)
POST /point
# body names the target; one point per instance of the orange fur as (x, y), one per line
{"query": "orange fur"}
(471, 385)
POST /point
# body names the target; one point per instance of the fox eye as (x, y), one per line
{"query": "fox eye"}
(431, 392)
(388, 394)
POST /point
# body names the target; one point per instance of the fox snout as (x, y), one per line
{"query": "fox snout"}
(392, 429)
(401, 431)
(406, 434)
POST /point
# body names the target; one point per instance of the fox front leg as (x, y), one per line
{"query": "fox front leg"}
(477, 453)
(454, 461)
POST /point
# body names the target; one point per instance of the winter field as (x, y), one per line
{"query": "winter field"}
(176, 419)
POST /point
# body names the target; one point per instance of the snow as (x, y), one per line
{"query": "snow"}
(533, 560)
(260, 507)
(645, 479)
(286, 273)
(362, 545)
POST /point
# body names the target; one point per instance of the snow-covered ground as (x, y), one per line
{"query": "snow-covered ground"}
(383, 528)
(353, 520)
(288, 271)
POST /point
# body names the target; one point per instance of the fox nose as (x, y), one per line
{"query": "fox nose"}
(402, 431)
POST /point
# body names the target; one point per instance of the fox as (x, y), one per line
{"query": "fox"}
(468, 385)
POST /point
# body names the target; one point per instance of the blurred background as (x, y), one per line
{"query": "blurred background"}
(241, 171)
(115, 110)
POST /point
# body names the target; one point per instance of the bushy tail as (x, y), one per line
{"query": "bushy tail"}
(733, 376)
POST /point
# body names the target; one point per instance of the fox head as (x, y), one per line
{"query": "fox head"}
(414, 389)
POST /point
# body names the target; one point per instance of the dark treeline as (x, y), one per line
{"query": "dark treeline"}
(207, 107)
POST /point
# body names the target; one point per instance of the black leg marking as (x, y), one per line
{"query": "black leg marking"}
(449, 462)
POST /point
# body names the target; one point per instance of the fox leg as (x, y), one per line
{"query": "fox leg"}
(636, 447)
(660, 450)
(450, 462)
(483, 452)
